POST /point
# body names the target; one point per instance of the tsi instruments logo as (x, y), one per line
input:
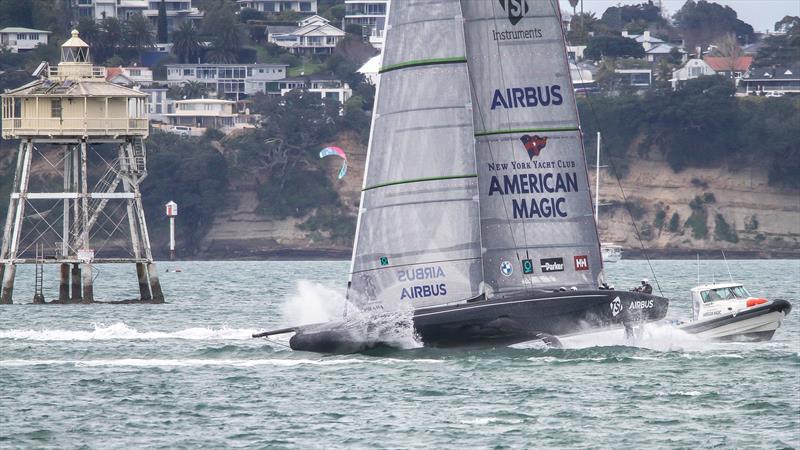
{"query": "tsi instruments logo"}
(616, 307)
(552, 265)
(515, 9)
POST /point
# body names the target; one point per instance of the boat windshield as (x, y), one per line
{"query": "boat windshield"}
(726, 293)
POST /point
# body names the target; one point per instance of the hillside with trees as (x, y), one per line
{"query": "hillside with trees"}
(264, 191)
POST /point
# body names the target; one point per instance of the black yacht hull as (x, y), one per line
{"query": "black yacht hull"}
(494, 322)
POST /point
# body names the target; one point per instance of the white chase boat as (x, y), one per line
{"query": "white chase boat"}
(726, 311)
(476, 213)
(610, 252)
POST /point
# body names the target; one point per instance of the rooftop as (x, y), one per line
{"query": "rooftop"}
(23, 30)
(722, 63)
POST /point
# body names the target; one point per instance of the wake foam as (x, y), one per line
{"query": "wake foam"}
(120, 330)
(136, 362)
(655, 336)
(316, 303)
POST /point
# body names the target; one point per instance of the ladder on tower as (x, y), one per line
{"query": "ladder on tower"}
(139, 163)
(38, 296)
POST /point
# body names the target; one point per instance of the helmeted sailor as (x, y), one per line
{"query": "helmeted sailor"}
(646, 287)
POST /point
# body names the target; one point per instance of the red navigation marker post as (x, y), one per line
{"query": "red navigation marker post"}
(172, 212)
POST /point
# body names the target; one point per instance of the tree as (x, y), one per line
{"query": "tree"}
(613, 47)
(225, 31)
(186, 42)
(110, 38)
(89, 31)
(643, 15)
(574, 4)
(162, 22)
(188, 90)
(580, 27)
(729, 49)
(782, 49)
(702, 23)
(139, 34)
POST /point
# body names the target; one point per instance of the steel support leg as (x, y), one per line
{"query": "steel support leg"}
(63, 283)
(8, 284)
(144, 285)
(76, 283)
(88, 289)
(155, 285)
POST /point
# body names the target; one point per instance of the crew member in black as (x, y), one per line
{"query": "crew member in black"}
(646, 287)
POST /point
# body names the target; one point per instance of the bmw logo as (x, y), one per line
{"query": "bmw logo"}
(506, 268)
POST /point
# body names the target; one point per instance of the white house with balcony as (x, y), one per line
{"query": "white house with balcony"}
(202, 113)
(74, 100)
(230, 80)
(314, 35)
(18, 39)
(370, 15)
(279, 6)
(328, 87)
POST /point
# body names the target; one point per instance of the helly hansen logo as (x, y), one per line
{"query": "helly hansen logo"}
(582, 262)
(515, 9)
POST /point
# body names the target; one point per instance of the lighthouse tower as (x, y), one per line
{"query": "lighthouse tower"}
(98, 129)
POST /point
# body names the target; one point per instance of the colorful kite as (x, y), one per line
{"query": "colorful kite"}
(329, 151)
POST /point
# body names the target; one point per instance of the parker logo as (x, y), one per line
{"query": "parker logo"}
(515, 9)
(552, 264)
(582, 262)
(616, 307)
(533, 144)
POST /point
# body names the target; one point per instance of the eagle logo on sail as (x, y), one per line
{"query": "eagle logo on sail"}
(515, 9)
(533, 144)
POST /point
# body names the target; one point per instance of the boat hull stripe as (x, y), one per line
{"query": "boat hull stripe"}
(423, 62)
(419, 180)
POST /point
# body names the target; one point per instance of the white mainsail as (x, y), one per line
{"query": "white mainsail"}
(476, 180)
(537, 226)
(418, 239)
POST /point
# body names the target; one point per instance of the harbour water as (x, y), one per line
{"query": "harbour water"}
(186, 373)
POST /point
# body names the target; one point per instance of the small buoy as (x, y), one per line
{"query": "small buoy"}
(755, 301)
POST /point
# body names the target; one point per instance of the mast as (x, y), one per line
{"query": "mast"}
(597, 182)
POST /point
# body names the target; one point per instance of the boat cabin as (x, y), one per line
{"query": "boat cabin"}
(717, 299)
(74, 100)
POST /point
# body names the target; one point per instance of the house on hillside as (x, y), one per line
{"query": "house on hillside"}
(370, 15)
(314, 35)
(694, 68)
(130, 76)
(230, 80)
(327, 86)
(158, 103)
(655, 49)
(17, 39)
(639, 78)
(177, 11)
(778, 80)
(732, 68)
(202, 113)
(279, 6)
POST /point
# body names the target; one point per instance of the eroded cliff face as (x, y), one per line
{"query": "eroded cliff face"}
(240, 231)
(762, 220)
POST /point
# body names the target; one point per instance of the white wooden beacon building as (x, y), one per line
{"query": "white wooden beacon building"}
(97, 129)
